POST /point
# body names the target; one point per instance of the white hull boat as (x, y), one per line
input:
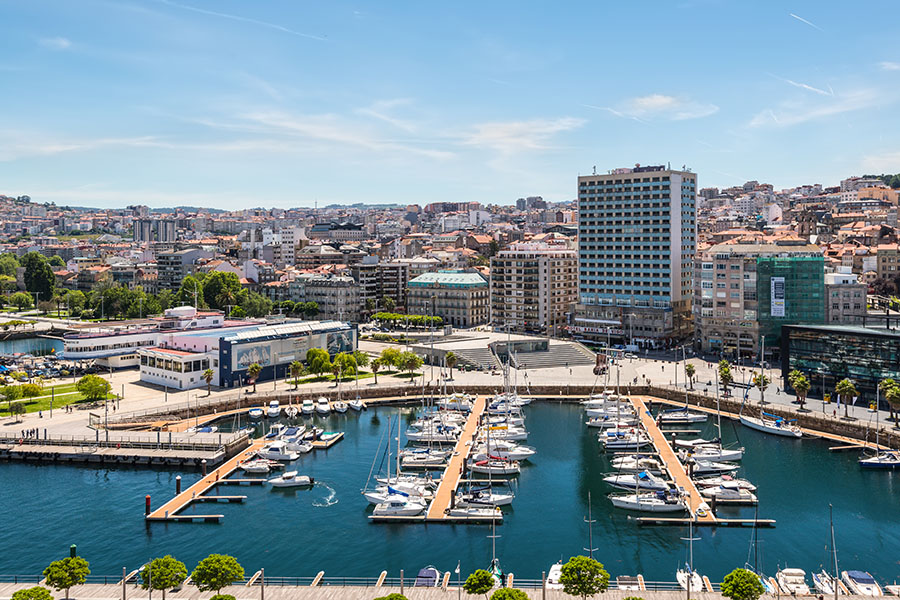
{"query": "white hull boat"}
(512, 434)
(291, 412)
(642, 481)
(681, 416)
(611, 422)
(507, 451)
(687, 575)
(356, 405)
(483, 499)
(277, 450)
(637, 463)
(424, 481)
(708, 467)
(730, 492)
(256, 466)
(382, 493)
(882, 460)
(308, 407)
(776, 426)
(291, 479)
(553, 576)
(792, 581)
(327, 436)
(695, 443)
(724, 479)
(440, 437)
(860, 583)
(322, 406)
(610, 411)
(711, 453)
(423, 461)
(616, 440)
(461, 402)
(648, 502)
(475, 512)
(824, 583)
(340, 407)
(495, 467)
(256, 413)
(274, 410)
(399, 506)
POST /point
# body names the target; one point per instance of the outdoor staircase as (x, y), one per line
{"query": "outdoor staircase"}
(477, 357)
(559, 355)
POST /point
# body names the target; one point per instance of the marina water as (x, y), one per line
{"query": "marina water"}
(297, 532)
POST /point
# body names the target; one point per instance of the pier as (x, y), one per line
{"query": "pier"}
(676, 470)
(171, 509)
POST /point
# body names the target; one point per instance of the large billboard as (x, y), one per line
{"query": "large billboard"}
(776, 285)
(246, 355)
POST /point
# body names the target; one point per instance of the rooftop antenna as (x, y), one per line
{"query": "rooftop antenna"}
(595, 169)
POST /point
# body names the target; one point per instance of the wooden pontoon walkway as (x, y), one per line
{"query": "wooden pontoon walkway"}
(673, 465)
(169, 511)
(453, 473)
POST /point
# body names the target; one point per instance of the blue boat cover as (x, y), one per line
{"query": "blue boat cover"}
(860, 576)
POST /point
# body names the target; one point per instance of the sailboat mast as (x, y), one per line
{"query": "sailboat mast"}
(590, 521)
(833, 550)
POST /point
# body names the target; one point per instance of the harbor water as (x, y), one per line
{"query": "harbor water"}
(298, 532)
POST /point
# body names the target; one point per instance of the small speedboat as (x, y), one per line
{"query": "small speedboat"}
(618, 439)
(275, 431)
(397, 505)
(259, 465)
(308, 407)
(277, 450)
(553, 576)
(291, 479)
(792, 581)
(882, 460)
(340, 406)
(322, 406)
(328, 436)
(274, 410)
(637, 481)
(649, 502)
(824, 583)
(255, 413)
(356, 405)
(428, 577)
(291, 412)
(207, 429)
(689, 579)
(861, 583)
(312, 434)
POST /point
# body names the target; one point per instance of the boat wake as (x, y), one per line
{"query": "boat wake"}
(330, 499)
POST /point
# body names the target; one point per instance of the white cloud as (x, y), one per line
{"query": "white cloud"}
(515, 136)
(55, 43)
(660, 106)
(380, 110)
(887, 65)
(794, 113)
(231, 17)
(807, 87)
(888, 162)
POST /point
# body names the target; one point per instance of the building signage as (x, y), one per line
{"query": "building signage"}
(777, 288)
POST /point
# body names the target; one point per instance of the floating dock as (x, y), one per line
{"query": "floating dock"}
(195, 493)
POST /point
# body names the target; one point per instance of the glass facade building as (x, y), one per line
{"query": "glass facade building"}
(831, 353)
(790, 291)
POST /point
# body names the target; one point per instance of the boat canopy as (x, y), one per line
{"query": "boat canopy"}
(860, 576)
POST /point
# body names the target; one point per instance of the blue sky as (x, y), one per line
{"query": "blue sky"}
(239, 103)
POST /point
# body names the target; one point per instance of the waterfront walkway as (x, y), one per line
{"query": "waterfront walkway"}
(673, 464)
(452, 474)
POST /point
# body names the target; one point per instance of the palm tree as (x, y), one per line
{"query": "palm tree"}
(336, 371)
(376, 365)
(208, 377)
(801, 385)
(253, 372)
(883, 386)
(761, 382)
(296, 368)
(226, 297)
(690, 371)
(845, 391)
(450, 359)
(892, 395)
(725, 376)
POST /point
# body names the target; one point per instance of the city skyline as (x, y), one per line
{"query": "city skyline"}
(228, 105)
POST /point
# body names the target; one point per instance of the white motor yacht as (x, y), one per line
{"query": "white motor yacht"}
(340, 406)
(553, 576)
(275, 431)
(397, 505)
(308, 407)
(291, 479)
(648, 502)
(637, 462)
(618, 439)
(274, 410)
(322, 406)
(356, 405)
(861, 583)
(255, 413)
(642, 481)
(258, 465)
(792, 581)
(277, 450)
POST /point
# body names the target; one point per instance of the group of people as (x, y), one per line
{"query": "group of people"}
(30, 433)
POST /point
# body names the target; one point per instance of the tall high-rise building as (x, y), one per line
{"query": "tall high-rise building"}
(637, 235)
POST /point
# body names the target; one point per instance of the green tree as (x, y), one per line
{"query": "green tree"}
(846, 391)
(583, 576)
(221, 289)
(296, 368)
(371, 305)
(394, 596)
(39, 277)
(318, 361)
(361, 358)
(741, 584)
(33, 593)
(388, 304)
(208, 377)
(8, 264)
(345, 364)
(186, 293)
(410, 361)
(17, 409)
(31, 390)
(689, 372)
(801, 387)
(215, 572)
(222, 597)
(479, 582)
(390, 357)
(93, 387)
(451, 359)
(163, 574)
(256, 305)
(253, 372)
(892, 396)
(493, 248)
(761, 382)
(509, 594)
(56, 261)
(66, 573)
(376, 366)
(725, 375)
(22, 300)
(310, 309)
(10, 393)
(238, 313)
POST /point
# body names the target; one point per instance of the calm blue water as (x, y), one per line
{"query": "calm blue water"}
(299, 532)
(34, 345)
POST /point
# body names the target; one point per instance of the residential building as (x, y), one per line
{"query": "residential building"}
(637, 238)
(378, 280)
(172, 267)
(845, 298)
(743, 291)
(534, 286)
(460, 298)
(337, 297)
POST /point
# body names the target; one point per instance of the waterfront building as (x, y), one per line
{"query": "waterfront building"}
(826, 354)
(744, 291)
(637, 235)
(460, 298)
(845, 298)
(534, 286)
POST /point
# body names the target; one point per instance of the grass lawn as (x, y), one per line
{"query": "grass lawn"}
(329, 377)
(406, 375)
(62, 395)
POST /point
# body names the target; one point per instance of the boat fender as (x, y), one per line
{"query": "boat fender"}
(312, 480)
